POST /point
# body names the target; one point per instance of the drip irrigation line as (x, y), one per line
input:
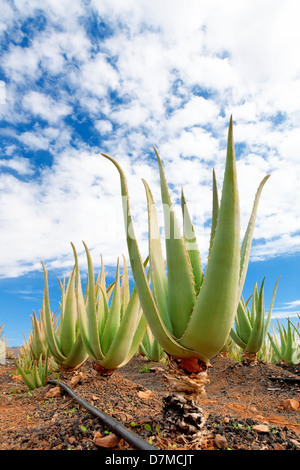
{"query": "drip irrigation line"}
(291, 380)
(120, 430)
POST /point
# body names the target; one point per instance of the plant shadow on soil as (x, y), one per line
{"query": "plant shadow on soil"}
(238, 398)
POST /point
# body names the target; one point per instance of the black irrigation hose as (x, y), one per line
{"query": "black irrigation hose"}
(120, 430)
(291, 380)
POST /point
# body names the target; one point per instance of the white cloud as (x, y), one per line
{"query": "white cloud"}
(45, 107)
(19, 164)
(140, 86)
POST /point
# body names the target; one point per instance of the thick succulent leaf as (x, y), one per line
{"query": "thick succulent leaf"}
(82, 314)
(191, 245)
(52, 339)
(243, 325)
(114, 316)
(68, 325)
(214, 311)
(28, 381)
(181, 291)
(125, 291)
(162, 334)
(159, 281)
(237, 339)
(256, 339)
(78, 354)
(247, 241)
(268, 321)
(122, 340)
(289, 345)
(215, 212)
(91, 312)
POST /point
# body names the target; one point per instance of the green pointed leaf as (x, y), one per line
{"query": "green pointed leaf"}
(268, 322)
(52, 339)
(68, 325)
(215, 308)
(256, 339)
(215, 212)
(247, 241)
(82, 313)
(163, 335)
(92, 316)
(181, 292)
(157, 266)
(125, 292)
(191, 245)
(113, 320)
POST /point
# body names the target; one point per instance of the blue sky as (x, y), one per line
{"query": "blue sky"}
(81, 77)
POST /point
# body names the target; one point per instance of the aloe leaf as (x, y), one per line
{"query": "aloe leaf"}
(30, 384)
(163, 335)
(113, 320)
(237, 339)
(181, 292)
(275, 344)
(125, 291)
(289, 349)
(81, 310)
(157, 265)
(191, 245)
(122, 341)
(67, 333)
(244, 327)
(77, 355)
(247, 241)
(36, 377)
(257, 335)
(92, 316)
(215, 212)
(52, 339)
(268, 321)
(214, 311)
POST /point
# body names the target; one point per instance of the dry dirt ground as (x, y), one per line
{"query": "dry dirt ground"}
(238, 398)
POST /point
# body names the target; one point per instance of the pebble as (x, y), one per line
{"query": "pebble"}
(221, 441)
(260, 428)
(290, 404)
(296, 443)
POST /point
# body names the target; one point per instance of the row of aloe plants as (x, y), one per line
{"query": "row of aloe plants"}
(175, 307)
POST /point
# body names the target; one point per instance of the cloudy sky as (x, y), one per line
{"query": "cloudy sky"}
(81, 77)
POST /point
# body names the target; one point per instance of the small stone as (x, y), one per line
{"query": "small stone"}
(74, 380)
(53, 392)
(72, 440)
(296, 443)
(221, 441)
(290, 404)
(111, 440)
(145, 395)
(261, 428)
(278, 447)
(253, 409)
(17, 378)
(226, 420)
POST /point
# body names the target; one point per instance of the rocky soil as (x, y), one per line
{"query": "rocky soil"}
(245, 408)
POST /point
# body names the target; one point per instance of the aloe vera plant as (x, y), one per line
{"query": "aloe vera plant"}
(191, 313)
(35, 374)
(111, 333)
(64, 340)
(37, 337)
(150, 347)
(287, 346)
(251, 327)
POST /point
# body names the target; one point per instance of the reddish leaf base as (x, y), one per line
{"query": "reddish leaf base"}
(193, 365)
(101, 370)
